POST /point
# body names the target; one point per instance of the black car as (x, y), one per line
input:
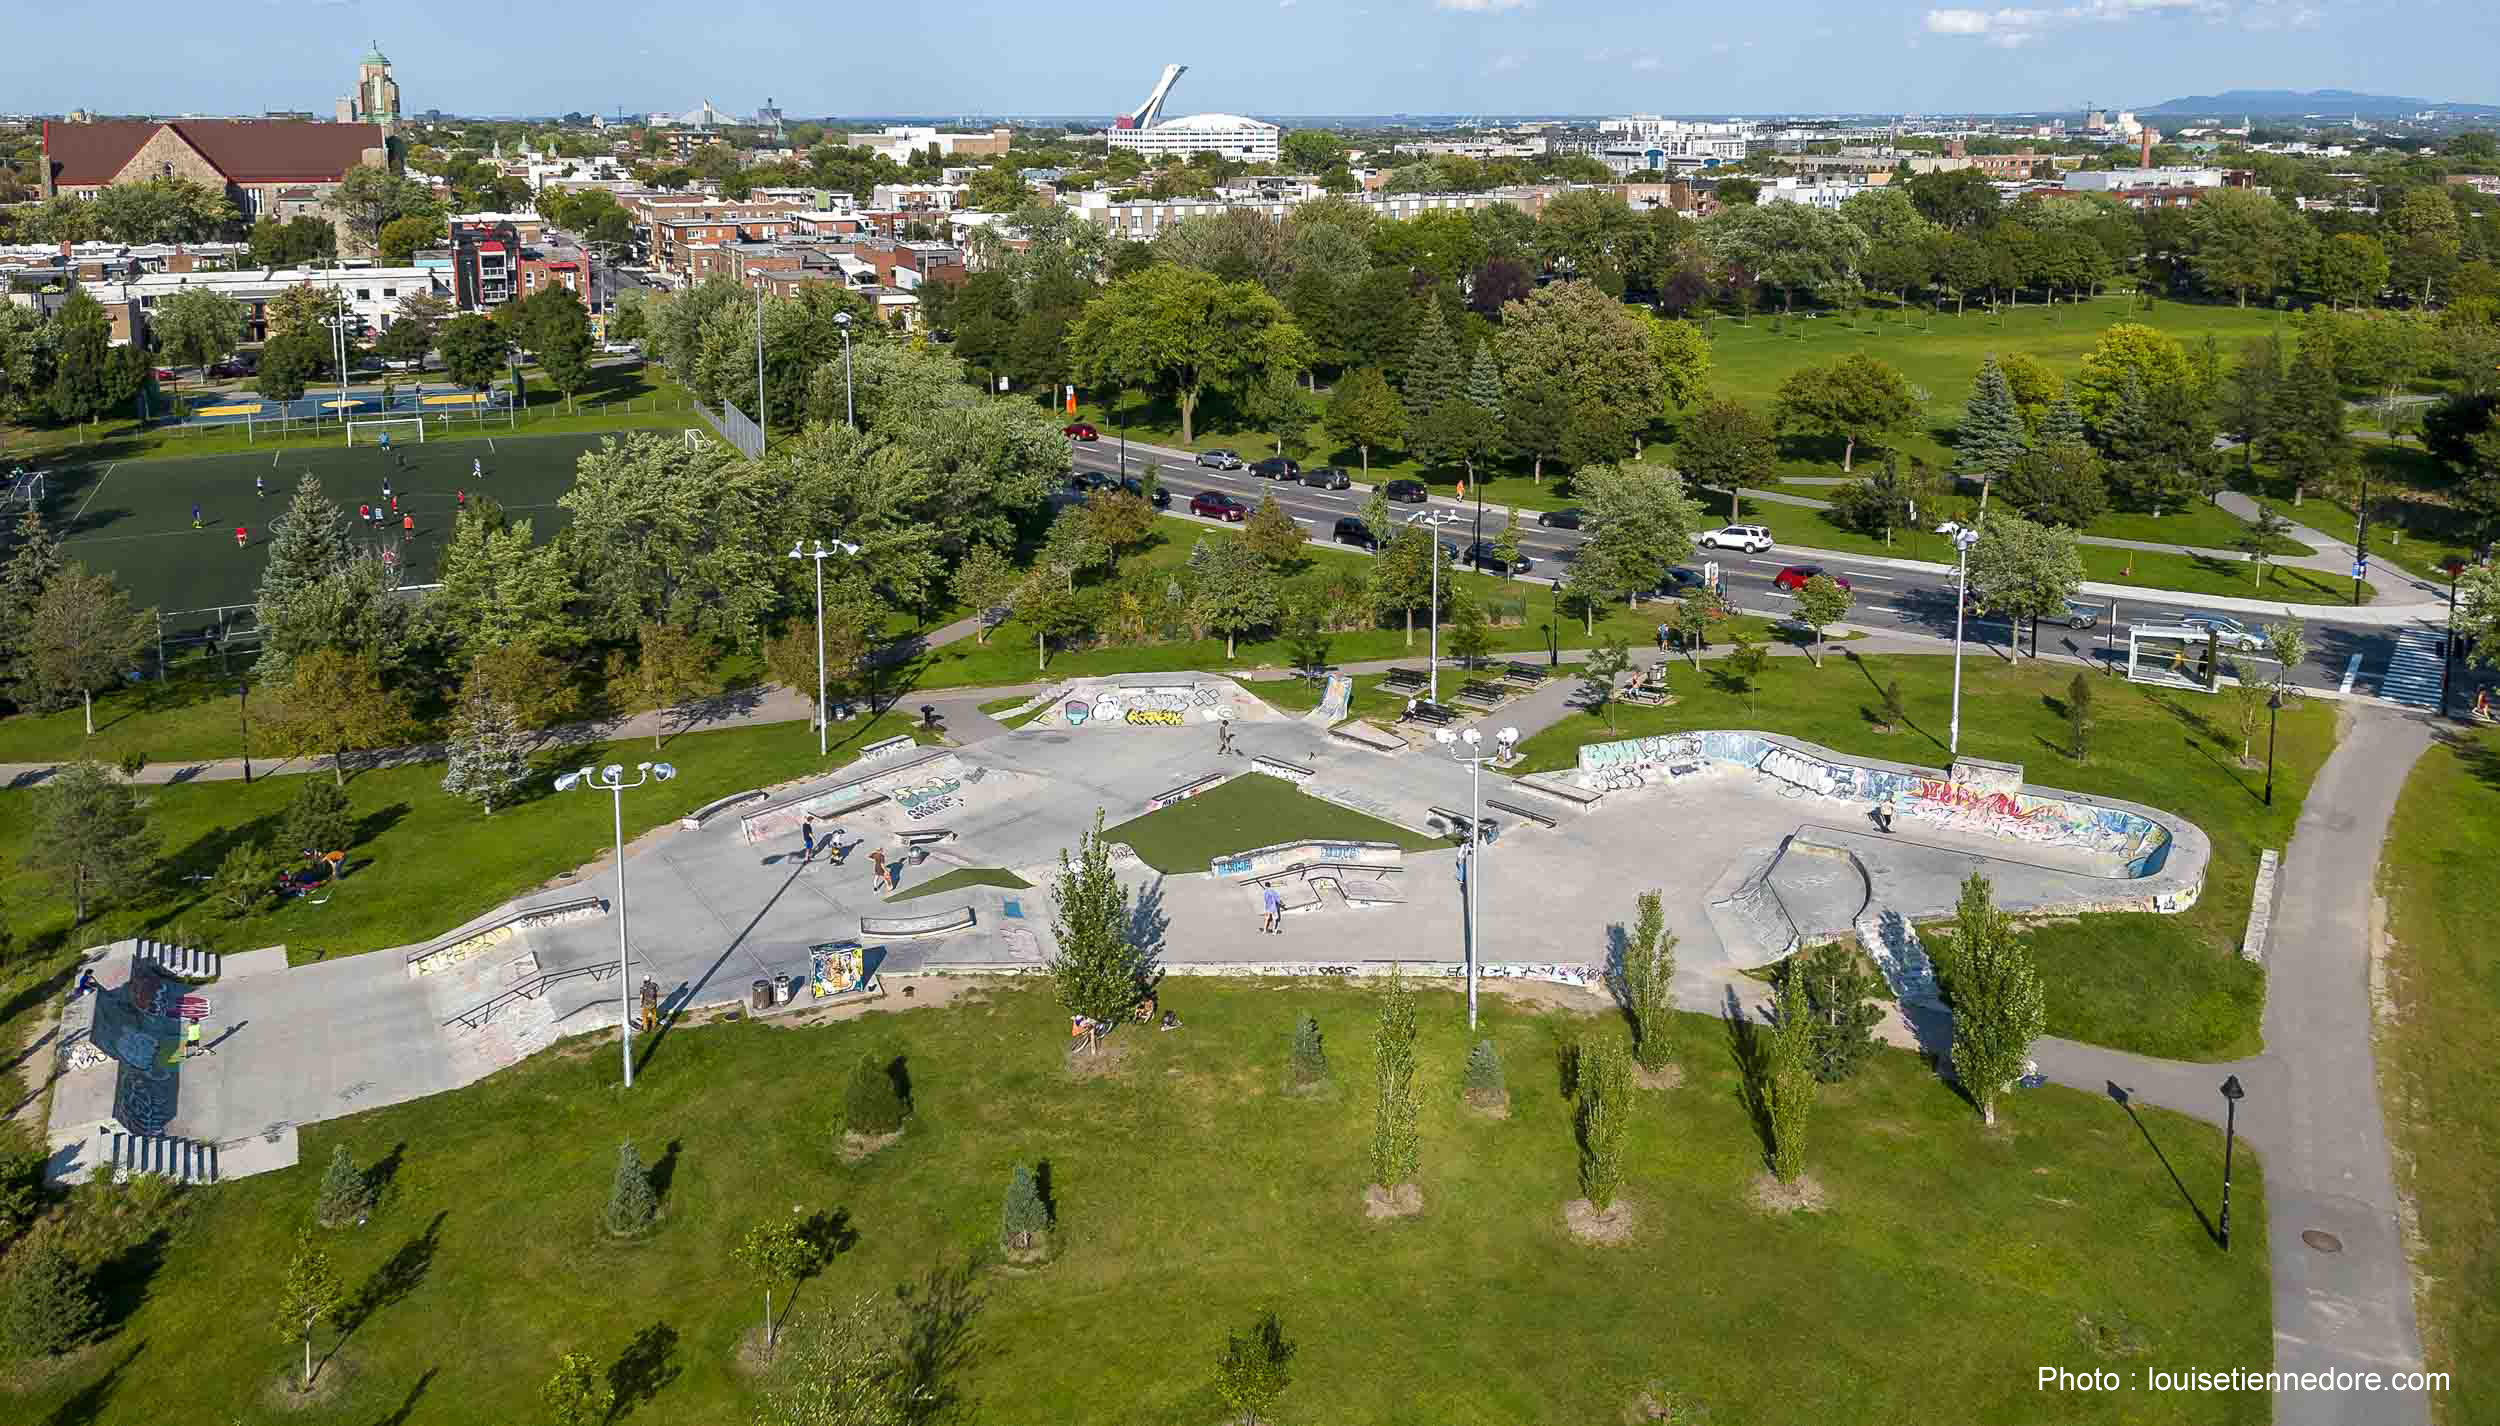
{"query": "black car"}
(1136, 487)
(1352, 531)
(1483, 556)
(1406, 492)
(1275, 468)
(1088, 481)
(1559, 519)
(1327, 477)
(1680, 579)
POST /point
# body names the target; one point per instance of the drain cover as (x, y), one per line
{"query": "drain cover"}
(2322, 1240)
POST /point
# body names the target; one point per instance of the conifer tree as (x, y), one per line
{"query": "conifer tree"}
(1997, 1006)
(1022, 1218)
(1395, 1147)
(1099, 972)
(1434, 370)
(1483, 1081)
(1991, 437)
(308, 547)
(2062, 424)
(632, 1205)
(47, 1301)
(1484, 384)
(1841, 996)
(1308, 1062)
(1642, 979)
(345, 1194)
(872, 1103)
(487, 758)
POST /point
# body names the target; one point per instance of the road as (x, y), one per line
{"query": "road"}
(1891, 596)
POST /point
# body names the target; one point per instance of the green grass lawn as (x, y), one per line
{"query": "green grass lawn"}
(423, 861)
(2162, 985)
(1253, 810)
(962, 877)
(1188, 1193)
(2436, 1073)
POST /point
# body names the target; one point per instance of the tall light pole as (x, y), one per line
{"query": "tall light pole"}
(819, 554)
(760, 418)
(612, 778)
(850, 418)
(1963, 537)
(1430, 520)
(1475, 760)
(338, 344)
(2231, 1096)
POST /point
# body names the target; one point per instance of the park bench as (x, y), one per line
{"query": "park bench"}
(1431, 715)
(1645, 695)
(1526, 674)
(1403, 680)
(1480, 694)
(1515, 810)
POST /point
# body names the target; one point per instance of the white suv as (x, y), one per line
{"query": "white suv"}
(1752, 539)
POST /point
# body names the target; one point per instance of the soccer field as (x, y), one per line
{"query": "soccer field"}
(133, 518)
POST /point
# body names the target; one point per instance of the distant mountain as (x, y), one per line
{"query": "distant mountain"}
(2276, 103)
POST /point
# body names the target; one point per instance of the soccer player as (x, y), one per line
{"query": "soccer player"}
(260, 488)
(242, 537)
(477, 468)
(195, 515)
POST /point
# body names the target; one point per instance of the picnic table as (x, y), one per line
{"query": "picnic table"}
(1480, 693)
(1431, 715)
(1403, 680)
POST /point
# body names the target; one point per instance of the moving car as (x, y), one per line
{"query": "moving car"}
(622, 349)
(1795, 576)
(2227, 631)
(1352, 531)
(1220, 460)
(1327, 477)
(1275, 468)
(1089, 481)
(1565, 519)
(1136, 487)
(1080, 432)
(1483, 556)
(240, 364)
(1752, 539)
(1216, 505)
(1405, 492)
(2078, 615)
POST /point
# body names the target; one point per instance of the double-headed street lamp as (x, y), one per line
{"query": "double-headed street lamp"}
(819, 554)
(1963, 537)
(1472, 740)
(2231, 1096)
(612, 778)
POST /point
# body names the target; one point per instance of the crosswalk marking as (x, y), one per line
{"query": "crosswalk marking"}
(2352, 666)
(2412, 676)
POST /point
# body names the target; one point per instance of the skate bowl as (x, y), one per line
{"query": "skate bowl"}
(921, 786)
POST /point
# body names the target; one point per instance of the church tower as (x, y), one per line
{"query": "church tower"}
(377, 94)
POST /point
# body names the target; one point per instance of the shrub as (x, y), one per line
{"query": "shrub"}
(1603, 1116)
(1023, 1217)
(345, 1194)
(873, 1102)
(1484, 1072)
(47, 1303)
(1309, 1059)
(632, 1205)
(317, 820)
(1395, 1144)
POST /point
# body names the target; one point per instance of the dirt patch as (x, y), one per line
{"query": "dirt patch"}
(1669, 1076)
(1491, 1103)
(1316, 1089)
(1769, 1195)
(856, 1147)
(1608, 1229)
(327, 1384)
(751, 1357)
(1021, 1261)
(1578, 999)
(1404, 1201)
(1107, 1058)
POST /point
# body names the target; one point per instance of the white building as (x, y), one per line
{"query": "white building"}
(1814, 193)
(2118, 180)
(898, 142)
(1140, 219)
(1229, 135)
(372, 294)
(1476, 148)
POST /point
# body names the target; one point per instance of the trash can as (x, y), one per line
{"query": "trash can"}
(760, 996)
(789, 988)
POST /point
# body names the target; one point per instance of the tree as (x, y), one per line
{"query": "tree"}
(1887, 498)
(2059, 484)
(1640, 521)
(1787, 1083)
(1506, 542)
(1099, 971)
(1644, 972)
(1255, 1368)
(1275, 402)
(1822, 601)
(317, 819)
(1395, 1145)
(488, 755)
(2150, 355)
(671, 665)
(1727, 445)
(369, 198)
(848, 1367)
(1470, 634)
(346, 1195)
(1236, 591)
(1694, 613)
(1363, 412)
(1573, 338)
(89, 836)
(2079, 717)
(1746, 659)
(400, 238)
(1536, 420)
(1482, 1079)
(1603, 1117)
(311, 1295)
(2348, 269)
(1459, 432)
(1274, 535)
(1682, 355)
(576, 1393)
(47, 1301)
(1961, 199)
(2308, 440)
(1992, 435)
(1841, 1005)
(1185, 330)
(777, 1251)
(632, 1205)
(1022, 1217)
(1997, 1009)
(473, 349)
(1601, 676)
(90, 376)
(2023, 570)
(1434, 373)
(872, 1098)
(194, 326)
(985, 583)
(335, 702)
(2424, 239)
(82, 635)
(2061, 424)
(1307, 1060)
(289, 362)
(246, 877)
(1847, 399)
(559, 332)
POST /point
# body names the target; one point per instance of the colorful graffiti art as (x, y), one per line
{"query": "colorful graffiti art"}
(1153, 717)
(927, 798)
(1076, 711)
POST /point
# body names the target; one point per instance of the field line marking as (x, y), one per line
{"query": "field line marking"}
(99, 485)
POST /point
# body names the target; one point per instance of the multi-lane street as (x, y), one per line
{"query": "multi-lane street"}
(1891, 595)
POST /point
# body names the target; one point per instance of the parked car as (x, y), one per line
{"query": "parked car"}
(1795, 576)
(1565, 519)
(1327, 477)
(1136, 487)
(1276, 468)
(2078, 615)
(1752, 539)
(165, 373)
(1681, 579)
(1220, 460)
(1089, 481)
(2227, 631)
(239, 365)
(404, 363)
(1483, 556)
(1080, 432)
(622, 349)
(1352, 531)
(1216, 505)
(1405, 492)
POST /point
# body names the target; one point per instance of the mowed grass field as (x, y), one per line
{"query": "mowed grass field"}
(1948, 1264)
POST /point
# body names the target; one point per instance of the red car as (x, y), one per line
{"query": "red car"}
(1080, 432)
(1216, 505)
(1795, 576)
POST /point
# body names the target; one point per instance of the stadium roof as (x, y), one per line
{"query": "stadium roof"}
(1190, 122)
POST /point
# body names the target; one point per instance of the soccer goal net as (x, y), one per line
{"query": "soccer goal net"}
(398, 428)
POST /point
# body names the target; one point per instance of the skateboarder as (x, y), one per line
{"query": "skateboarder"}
(1274, 906)
(876, 868)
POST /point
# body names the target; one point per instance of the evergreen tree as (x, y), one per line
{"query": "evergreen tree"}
(308, 549)
(346, 1196)
(1307, 1062)
(576, 1393)
(632, 1205)
(1395, 1146)
(1997, 1007)
(2079, 716)
(1434, 371)
(90, 836)
(316, 820)
(1991, 436)
(47, 1301)
(1840, 995)
(1099, 971)
(2125, 434)
(872, 1103)
(1787, 1087)
(488, 755)
(1022, 1218)
(1602, 1116)
(30, 570)
(1255, 1368)
(1363, 412)
(1643, 971)
(1483, 1081)
(2062, 423)
(1484, 384)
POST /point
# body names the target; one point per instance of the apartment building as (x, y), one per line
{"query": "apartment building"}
(370, 295)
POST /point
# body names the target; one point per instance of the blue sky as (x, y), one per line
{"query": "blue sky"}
(1265, 56)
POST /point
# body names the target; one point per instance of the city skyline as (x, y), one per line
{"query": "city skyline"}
(1309, 57)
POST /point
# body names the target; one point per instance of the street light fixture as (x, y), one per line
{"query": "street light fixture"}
(819, 554)
(612, 778)
(243, 711)
(2231, 1096)
(1963, 537)
(1504, 742)
(842, 320)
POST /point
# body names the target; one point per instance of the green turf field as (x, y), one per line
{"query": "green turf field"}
(133, 518)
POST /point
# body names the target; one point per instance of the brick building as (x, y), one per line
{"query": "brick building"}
(270, 168)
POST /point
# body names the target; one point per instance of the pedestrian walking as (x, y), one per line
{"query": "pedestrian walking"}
(807, 839)
(1662, 638)
(1274, 906)
(195, 515)
(242, 537)
(1223, 738)
(876, 868)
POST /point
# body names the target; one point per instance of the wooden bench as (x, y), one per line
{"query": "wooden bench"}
(1403, 680)
(1515, 810)
(1644, 695)
(1431, 715)
(1480, 694)
(1525, 673)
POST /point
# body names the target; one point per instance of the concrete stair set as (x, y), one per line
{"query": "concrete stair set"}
(182, 1160)
(181, 962)
(1894, 944)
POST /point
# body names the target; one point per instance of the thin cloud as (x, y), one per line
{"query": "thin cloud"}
(1504, 64)
(2012, 27)
(1478, 7)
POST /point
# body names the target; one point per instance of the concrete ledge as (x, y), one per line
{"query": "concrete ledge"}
(1363, 735)
(1285, 858)
(850, 790)
(1188, 790)
(693, 821)
(1515, 810)
(1546, 785)
(1294, 773)
(476, 941)
(887, 747)
(937, 923)
(2260, 910)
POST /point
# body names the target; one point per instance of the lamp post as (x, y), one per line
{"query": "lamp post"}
(2360, 535)
(797, 552)
(1963, 537)
(2448, 649)
(612, 778)
(2231, 1095)
(842, 320)
(243, 710)
(2274, 711)
(1430, 520)
(1503, 742)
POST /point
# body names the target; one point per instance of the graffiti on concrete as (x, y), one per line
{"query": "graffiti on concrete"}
(1165, 707)
(1340, 692)
(925, 799)
(2050, 821)
(478, 943)
(1277, 767)
(1186, 791)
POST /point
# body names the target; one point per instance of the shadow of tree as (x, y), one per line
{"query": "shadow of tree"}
(1750, 1051)
(664, 1170)
(408, 1405)
(399, 1275)
(86, 1405)
(644, 1369)
(938, 1345)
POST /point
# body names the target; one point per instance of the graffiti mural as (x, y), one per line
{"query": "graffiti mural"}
(924, 799)
(1164, 707)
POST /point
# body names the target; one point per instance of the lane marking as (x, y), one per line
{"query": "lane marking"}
(99, 485)
(1868, 574)
(2352, 666)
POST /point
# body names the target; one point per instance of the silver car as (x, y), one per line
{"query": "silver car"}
(1220, 460)
(2230, 633)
